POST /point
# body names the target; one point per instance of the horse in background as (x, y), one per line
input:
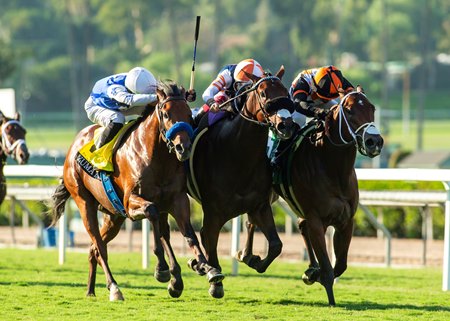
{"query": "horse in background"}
(149, 178)
(230, 171)
(320, 184)
(12, 145)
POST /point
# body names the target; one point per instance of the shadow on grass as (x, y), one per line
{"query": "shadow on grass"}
(366, 305)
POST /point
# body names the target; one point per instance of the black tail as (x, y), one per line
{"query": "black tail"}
(59, 198)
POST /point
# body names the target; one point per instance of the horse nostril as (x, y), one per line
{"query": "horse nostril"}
(370, 142)
(281, 126)
(179, 148)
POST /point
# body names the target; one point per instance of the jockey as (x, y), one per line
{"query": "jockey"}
(229, 80)
(314, 91)
(119, 95)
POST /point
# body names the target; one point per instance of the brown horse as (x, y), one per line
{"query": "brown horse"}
(12, 144)
(320, 183)
(232, 171)
(149, 180)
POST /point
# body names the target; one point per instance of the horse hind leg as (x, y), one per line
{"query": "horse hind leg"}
(264, 219)
(110, 228)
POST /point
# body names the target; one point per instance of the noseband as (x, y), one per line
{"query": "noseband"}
(7, 146)
(360, 132)
(169, 134)
(263, 106)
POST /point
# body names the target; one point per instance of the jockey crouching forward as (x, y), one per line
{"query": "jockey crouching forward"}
(120, 95)
(315, 90)
(228, 81)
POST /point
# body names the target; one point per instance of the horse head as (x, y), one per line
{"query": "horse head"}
(13, 138)
(354, 123)
(268, 102)
(175, 119)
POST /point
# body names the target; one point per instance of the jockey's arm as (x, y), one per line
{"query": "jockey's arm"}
(222, 82)
(122, 95)
(299, 93)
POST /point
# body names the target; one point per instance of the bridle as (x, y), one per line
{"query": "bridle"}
(263, 106)
(8, 146)
(169, 134)
(360, 132)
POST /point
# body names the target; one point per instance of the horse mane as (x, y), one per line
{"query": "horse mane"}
(170, 88)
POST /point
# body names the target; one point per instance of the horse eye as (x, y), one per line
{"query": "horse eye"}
(262, 94)
(165, 115)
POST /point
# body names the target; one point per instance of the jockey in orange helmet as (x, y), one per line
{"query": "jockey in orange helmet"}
(229, 80)
(315, 90)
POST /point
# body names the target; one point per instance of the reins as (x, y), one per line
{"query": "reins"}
(167, 135)
(367, 128)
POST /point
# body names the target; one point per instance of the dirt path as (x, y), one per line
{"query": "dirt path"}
(362, 249)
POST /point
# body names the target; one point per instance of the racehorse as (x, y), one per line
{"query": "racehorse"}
(232, 171)
(150, 180)
(320, 183)
(12, 144)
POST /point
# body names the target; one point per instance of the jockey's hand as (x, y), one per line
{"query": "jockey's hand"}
(214, 108)
(191, 95)
(320, 113)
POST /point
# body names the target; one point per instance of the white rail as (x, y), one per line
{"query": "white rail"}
(430, 175)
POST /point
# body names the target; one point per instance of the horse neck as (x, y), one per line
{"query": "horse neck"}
(250, 132)
(149, 136)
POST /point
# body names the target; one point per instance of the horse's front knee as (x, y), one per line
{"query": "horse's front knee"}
(151, 212)
(339, 269)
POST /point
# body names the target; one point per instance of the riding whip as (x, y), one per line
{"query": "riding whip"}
(197, 27)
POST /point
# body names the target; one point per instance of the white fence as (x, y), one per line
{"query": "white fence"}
(430, 175)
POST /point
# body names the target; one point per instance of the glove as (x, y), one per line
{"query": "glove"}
(320, 113)
(214, 108)
(220, 97)
(191, 95)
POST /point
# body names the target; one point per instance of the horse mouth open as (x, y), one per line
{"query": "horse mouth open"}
(183, 151)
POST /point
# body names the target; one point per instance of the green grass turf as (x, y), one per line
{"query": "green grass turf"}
(34, 287)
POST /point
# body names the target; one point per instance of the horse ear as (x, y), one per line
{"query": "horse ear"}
(2, 117)
(17, 116)
(359, 89)
(280, 72)
(341, 92)
(251, 76)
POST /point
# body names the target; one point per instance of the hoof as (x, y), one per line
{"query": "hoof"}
(214, 276)
(162, 276)
(192, 263)
(115, 294)
(311, 275)
(216, 290)
(239, 256)
(174, 293)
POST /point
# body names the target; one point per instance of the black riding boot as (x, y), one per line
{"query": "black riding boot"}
(107, 135)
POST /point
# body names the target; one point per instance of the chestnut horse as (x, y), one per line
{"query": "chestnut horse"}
(12, 144)
(320, 184)
(150, 181)
(232, 173)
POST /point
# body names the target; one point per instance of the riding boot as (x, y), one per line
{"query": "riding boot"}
(107, 135)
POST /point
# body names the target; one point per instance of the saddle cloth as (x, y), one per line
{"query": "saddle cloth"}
(101, 158)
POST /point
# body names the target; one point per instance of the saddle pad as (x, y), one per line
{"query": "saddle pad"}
(101, 158)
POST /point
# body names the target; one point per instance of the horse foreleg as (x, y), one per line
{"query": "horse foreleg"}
(176, 285)
(210, 236)
(264, 219)
(316, 232)
(341, 241)
(311, 275)
(138, 207)
(199, 263)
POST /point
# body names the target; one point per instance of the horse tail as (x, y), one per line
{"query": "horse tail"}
(59, 198)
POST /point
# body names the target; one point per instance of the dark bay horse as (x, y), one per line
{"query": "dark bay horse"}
(232, 171)
(321, 185)
(13, 145)
(150, 181)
